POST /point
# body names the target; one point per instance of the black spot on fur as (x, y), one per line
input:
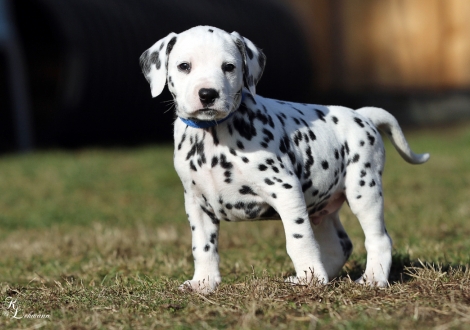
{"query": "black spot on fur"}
(325, 165)
(213, 132)
(362, 183)
(155, 59)
(249, 52)
(197, 149)
(246, 129)
(211, 215)
(261, 117)
(213, 237)
(297, 138)
(269, 182)
(346, 146)
(355, 158)
(215, 161)
(372, 183)
(298, 171)
(335, 120)
(206, 248)
(287, 186)
(281, 120)
(171, 43)
(223, 162)
(268, 135)
(239, 205)
(182, 140)
(359, 121)
(297, 236)
(284, 144)
(371, 139)
(312, 135)
(320, 115)
(262, 167)
(307, 185)
(245, 190)
(299, 221)
(245, 160)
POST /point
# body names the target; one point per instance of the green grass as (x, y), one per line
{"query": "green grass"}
(98, 239)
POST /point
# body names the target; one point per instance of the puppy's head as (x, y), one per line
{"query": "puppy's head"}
(205, 68)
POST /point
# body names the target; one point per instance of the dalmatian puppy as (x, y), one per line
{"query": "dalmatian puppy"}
(244, 157)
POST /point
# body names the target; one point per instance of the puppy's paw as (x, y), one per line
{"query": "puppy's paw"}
(200, 286)
(372, 281)
(306, 280)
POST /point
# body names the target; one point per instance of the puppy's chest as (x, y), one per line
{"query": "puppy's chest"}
(219, 179)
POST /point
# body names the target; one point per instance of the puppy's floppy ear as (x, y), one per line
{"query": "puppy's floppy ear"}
(154, 63)
(254, 61)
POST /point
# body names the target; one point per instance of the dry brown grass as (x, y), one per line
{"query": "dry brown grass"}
(103, 277)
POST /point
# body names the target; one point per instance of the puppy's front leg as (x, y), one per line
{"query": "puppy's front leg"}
(301, 245)
(205, 234)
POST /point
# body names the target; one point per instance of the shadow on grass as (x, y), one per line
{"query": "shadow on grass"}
(401, 270)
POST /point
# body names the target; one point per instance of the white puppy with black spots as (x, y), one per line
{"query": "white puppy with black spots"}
(244, 157)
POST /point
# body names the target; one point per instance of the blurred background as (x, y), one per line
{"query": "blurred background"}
(70, 75)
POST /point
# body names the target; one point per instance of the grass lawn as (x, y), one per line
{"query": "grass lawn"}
(98, 239)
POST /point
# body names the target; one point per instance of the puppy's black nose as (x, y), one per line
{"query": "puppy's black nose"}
(208, 96)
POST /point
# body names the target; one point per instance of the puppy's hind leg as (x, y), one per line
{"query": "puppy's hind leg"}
(335, 245)
(366, 202)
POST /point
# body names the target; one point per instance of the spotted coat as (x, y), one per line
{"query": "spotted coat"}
(266, 159)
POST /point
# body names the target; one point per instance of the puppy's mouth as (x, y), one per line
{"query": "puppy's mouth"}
(207, 114)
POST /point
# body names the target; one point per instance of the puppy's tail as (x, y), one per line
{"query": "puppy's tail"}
(389, 126)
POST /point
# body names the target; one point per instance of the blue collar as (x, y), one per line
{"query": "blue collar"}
(208, 123)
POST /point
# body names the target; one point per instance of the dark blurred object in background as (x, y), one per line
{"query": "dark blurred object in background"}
(82, 64)
(84, 84)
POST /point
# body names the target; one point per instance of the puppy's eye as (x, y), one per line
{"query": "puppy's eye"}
(228, 67)
(184, 67)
